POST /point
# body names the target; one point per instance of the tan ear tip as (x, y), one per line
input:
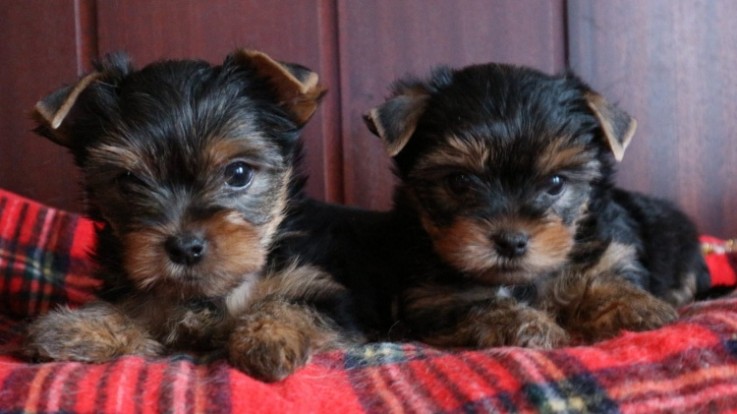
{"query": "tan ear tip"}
(42, 113)
(393, 149)
(312, 82)
(370, 119)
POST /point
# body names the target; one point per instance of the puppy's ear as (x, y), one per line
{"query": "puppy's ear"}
(395, 120)
(54, 113)
(618, 126)
(297, 88)
(51, 111)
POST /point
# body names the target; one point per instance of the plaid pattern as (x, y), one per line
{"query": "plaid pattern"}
(689, 367)
(42, 257)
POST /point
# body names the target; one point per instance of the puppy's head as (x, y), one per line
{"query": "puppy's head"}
(188, 164)
(501, 163)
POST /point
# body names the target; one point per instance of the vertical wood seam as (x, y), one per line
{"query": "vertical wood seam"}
(332, 148)
(85, 34)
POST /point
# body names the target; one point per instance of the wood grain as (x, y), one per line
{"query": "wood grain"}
(383, 40)
(39, 49)
(672, 66)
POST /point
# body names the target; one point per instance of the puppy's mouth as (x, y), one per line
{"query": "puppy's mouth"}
(504, 271)
(506, 266)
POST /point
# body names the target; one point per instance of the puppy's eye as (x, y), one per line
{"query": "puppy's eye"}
(238, 174)
(127, 181)
(459, 183)
(555, 185)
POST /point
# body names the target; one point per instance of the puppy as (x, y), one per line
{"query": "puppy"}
(506, 184)
(190, 169)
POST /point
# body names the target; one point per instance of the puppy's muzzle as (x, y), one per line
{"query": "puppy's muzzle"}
(186, 249)
(511, 244)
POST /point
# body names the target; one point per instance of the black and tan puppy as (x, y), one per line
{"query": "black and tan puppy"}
(191, 169)
(507, 173)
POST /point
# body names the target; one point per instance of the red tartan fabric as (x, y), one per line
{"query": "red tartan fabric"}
(689, 367)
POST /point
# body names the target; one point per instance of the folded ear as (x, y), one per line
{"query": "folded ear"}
(395, 120)
(51, 111)
(57, 113)
(618, 126)
(297, 88)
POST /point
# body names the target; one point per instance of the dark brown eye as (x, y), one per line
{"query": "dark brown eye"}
(459, 183)
(238, 174)
(555, 185)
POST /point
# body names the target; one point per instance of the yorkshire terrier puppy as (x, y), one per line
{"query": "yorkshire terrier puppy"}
(190, 168)
(507, 185)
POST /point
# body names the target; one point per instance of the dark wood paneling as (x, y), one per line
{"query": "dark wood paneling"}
(39, 53)
(672, 66)
(383, 40)
(287, 30)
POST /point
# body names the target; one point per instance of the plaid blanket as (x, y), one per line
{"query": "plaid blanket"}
(690, 366)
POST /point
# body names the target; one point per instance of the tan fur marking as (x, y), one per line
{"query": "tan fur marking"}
(550, 243)
(464, 245)
(235, 250)
(596, 306)
(276, 338)
(616, 255)
(605, 113)
(494, 319)
(557, 157)
(279, 207)
(439, 296)
(223, 150)
(55, 116)
(292, 282)
(121, 157)
(97, 332)
(273, 335)
(466, 153)
(300, 96)
(467, 246)
(237, 247)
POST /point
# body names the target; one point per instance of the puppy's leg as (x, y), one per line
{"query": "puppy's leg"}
(477, 317)
(276, 339)
(599, 306)
(282, 327)
(97, 332)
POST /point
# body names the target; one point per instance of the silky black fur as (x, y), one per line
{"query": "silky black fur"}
(168, 110)
(519, 115)
(515, 110)
(191, 170)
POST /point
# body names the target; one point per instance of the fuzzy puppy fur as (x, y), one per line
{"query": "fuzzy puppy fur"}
(190, 168)
(506, 183)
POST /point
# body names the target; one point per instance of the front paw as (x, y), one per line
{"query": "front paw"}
(605, 313)
(521, 326)
(95, 333)
(268, 349)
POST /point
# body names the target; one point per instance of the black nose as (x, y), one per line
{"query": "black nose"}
(511, 244)
(185, 250)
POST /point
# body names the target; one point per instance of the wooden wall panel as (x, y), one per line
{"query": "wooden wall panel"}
(385, 39)
(672, 66)
(296, 31)
(39, 53)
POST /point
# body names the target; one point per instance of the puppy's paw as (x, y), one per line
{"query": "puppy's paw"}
(95, 333)
(605, 314)
(522, 326)
(268, 349)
